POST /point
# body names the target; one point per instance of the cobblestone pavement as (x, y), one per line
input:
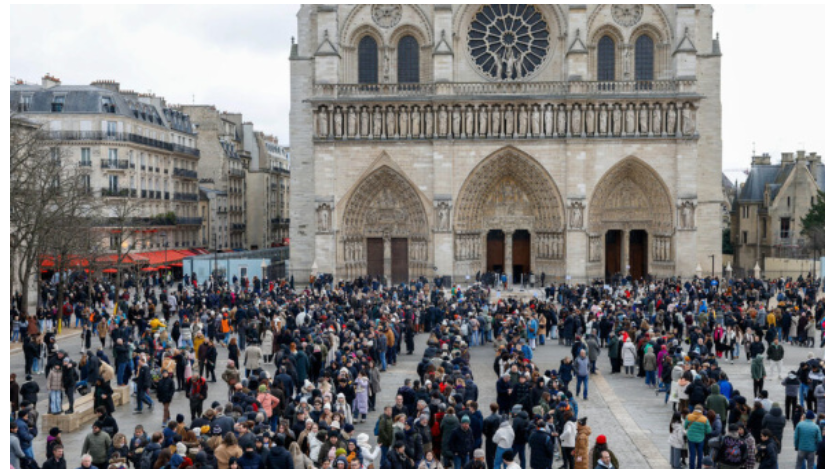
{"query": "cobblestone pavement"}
(634, 419)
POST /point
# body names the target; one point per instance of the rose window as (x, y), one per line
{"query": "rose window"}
(508, 42)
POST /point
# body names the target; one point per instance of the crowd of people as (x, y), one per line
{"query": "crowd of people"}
(304, 369)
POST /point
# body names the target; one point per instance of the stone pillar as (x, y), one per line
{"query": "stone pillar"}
(388, 258)
(508, 254)
(626, 252)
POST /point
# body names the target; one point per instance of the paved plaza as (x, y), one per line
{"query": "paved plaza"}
(634, 419)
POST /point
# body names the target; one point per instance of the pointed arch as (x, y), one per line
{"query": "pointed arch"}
(631, 195)
(509, 184)
(385, 202)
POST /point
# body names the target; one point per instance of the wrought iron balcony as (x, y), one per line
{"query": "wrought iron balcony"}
(185, 173)
(115, 165)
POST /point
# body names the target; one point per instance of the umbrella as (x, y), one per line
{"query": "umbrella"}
(109, 271)
(149, 269)
(177, 264)
(163, 267)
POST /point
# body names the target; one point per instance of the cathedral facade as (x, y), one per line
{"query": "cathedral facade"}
(578, 141)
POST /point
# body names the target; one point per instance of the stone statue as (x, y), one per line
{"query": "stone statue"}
(576, 215)
(365, 122)
(576, 121)
(456, 122)
(603, 121)
(561, 125)
(416, 123)
(322, 123)
(535, 117)
(617, 120)
(590, 120)
(482, 122)
(548, 121)
(657, 120)
(351, 122)
(686, 214)
(429, 123)
(509, 121)
(386, 65)
(338, 122)
(627, 62)
(496, 121)
(443, 217)
(522, 122)
(323, 218)
(391, 120)
(688, 124)
(377, 123)
(630, 120)
(469, 122)
(442, 122)
(403, 123)
(671, 120)
(643, 120)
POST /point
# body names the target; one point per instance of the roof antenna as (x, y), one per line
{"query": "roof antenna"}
(754, 149)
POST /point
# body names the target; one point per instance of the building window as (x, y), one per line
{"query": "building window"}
(764, 228)
(25, 102)
(58, 102)
(789, 202)
(86, 184)
(744, 237)
(114, 242)
(785, 228)
(368, 60)
(644, 58)
(113, 155)
(607, 59)
(85, 157)
(111, 128)
(108, 105)
(113, 184)
(408, 60)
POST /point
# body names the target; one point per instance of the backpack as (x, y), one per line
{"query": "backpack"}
(734, 452)
(146, 459)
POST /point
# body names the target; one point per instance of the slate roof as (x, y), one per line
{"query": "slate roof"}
(773, 177)
(89, 99)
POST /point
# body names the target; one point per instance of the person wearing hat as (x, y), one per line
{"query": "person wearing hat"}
(397, 458)
(508, 458)
(597, 452)
(806, 438)
(462, 443)
(97, 444)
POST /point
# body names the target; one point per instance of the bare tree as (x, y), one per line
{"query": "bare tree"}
(45, 196)
(126, 230)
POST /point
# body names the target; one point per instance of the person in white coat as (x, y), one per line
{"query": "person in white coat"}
(568, 440)
(503, 438)
(629, 357)
(369, 454)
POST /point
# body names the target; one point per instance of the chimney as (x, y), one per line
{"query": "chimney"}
(765, 159)
(110, 85)
(49, 81)
(787, 158)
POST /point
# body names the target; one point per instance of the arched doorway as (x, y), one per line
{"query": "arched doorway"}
(509, 203)
(385, 229)
(630, 204)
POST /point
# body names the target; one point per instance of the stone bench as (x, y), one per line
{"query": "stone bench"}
(84, 412)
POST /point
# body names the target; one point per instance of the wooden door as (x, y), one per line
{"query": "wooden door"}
(400, 261)
(375, 256)
(521, 255)
(638, 254)
(495, 251)
(613, 253)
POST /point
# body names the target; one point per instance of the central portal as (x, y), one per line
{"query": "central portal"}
(638, 254)
(521, 255)
(613, 253)
(495, 251)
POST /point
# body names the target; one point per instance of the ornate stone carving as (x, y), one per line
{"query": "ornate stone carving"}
(603, 121)
(403, 123)
(627, 15)
(415, 117)
(688, 122)
(442, 121)
(495, 120)
(482, 121)
(385, 201)
(324, 215)
(442, 214)
(429, 123)
(456, 128)
(631, 196)
(590, 120)
(506, 186)
(509, 121)
(323, 125)
(377, 123)
(508, 41)
(467, 247)
(687, 209)
(576, 215)
(561, 121)
(535, 120)
(523, 120)
(671, 120)
(469, 122)
(594, 250)
(576, 121)
(657, 119)
(386, 15)
(418, 251)
(391, 121)
(549, 246)
(354, 250)
(630, 120)
(352, 122)
(365, 122)
(643, 129)
(661, 248)
(617, 120)
(548, 121)
(338, 122)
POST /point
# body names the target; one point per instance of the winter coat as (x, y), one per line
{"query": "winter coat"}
(628, 354)
(582, 447)
(697, 427)
(252, 359)
(16, 451)
(541, 449)
(757, 368)
(449, 425)
(97, 446)
(165, 390)
(568, 436)
(504, 436)
(717, 403)
(775, 422)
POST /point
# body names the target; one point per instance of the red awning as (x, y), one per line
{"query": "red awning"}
(176, 264)
(149, 269)
(109, 271)
(73, 262)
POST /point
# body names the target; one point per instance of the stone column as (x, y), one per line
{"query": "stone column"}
(508, 254)
(625, 252)
(388, 258)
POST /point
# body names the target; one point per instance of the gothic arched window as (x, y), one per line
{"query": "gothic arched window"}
(367, 60)
(606, 59)
(408, 60)
(644, 58)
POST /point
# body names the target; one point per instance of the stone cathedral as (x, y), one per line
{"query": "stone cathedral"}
(579, 141)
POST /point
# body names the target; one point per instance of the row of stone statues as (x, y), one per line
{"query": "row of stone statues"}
(507, 121)
(550, 246)
(661, 249)
(467, 247)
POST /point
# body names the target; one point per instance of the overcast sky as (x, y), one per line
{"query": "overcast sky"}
(236, 57)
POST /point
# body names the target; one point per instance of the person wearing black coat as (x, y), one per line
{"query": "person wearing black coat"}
(462, 443)
(279, 457)
(775, 422)
(165, 392)
(70, 377)
(29, 391)
(541, 447)
(489, 429)
(521, 427)
(397, 458)
(56, 462)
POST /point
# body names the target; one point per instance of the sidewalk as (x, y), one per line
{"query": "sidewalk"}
(68, 333)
